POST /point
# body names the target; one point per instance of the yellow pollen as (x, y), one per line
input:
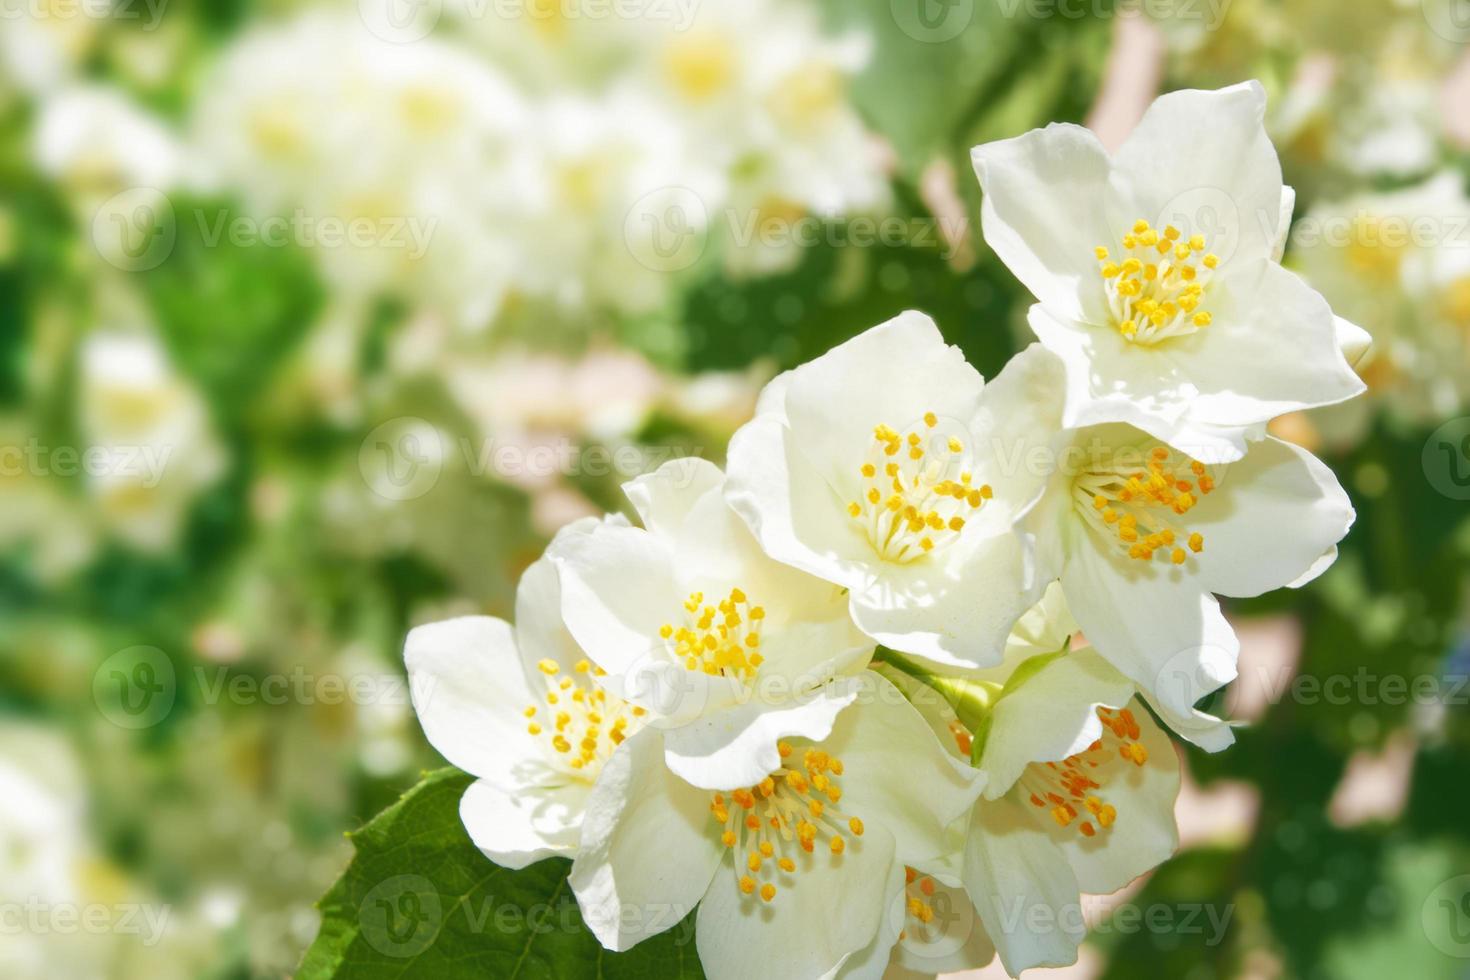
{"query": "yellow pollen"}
(1137, 503)
(578, 734)
(1153, 295)
(1069, 792)
(922, 498)
(777, 820)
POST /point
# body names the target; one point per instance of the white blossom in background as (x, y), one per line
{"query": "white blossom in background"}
(93, 138)
(1398, 263)
(44, 44)
(763, 95)
(418, 143)
(150, 447)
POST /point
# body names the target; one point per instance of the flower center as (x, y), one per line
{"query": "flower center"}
(1155, 288)
(721, 639)
(587, 725)
(918, 899)
(1068, 788)
(701, 65)
(1135, 504)
(792, 807)
(917, 489)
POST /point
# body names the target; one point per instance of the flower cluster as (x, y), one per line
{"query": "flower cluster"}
(837, 689)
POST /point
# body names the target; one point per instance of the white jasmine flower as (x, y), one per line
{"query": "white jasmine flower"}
(1155, 274)
(1081, 803)
(791, 873)
(1143, 537)
(728, 650)
(873, 467)
(1079, 797)
(522, 709)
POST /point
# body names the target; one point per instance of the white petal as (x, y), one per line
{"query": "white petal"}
(772, 399)
(540, 631)
(1202, 159)
(1271, 349)
(1019, 409)
(618, 588)
(1043, 213)
(788, 506)
(1283, 222)
(515, 829)
(648, 847)
(1272, 518)
(1050, 716)
(663, 498)
(469, 690)
(871, 962)
(951, 613)
(1145, 833)
(898, 775)
(1023, 888)
(735, 748)
(1355, 342)
(829, 909)
(890, 374)
(1156, 624)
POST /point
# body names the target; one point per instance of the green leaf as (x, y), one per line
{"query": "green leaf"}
(419, 900)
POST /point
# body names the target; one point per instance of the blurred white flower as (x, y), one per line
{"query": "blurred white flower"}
(44, 42)
(150, 447)
(416, 146)
(92, 137)
(1398, 264)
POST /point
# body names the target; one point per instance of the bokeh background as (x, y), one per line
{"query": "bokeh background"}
(316, 320)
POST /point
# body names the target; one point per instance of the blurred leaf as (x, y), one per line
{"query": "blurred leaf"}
(420, 902)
